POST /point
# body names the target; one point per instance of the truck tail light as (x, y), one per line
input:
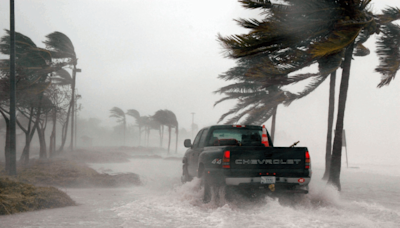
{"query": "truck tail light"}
(226, 160)
(238, 125)
(308, 160)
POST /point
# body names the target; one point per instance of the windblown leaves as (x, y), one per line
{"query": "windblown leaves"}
(134, 113)
(29, 57)
(255, 4)
(117, 113)
(62, 77)
(166, 117)
(60, 46)
(388, 50)
(389, 14)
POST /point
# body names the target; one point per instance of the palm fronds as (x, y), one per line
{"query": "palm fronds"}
(256, 4)
(117, 113)
(134, 113)
(60, 45)
(62, 77)
(388, 50)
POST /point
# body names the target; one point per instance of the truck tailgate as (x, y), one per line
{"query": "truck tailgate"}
(267, 159)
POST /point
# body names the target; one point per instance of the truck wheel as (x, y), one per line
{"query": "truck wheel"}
(185, 175)
(207, 188)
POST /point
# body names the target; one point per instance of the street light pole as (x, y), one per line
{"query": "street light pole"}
(12, 156)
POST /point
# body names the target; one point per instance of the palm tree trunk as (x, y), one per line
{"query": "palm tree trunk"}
(169, 137)
(42, 142)
(140, 134)
(176, 133)
(28, 139)
(7, 149)
(331, 110)
(65, 131)
(334, 174)
(273, 124)
(52, 146)
(162, 135)
(7, 146)
(25, 152)
(29, 132)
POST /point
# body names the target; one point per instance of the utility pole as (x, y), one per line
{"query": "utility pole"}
(13, 157)
(74, 71)
(76, 122)
(192, 123)
(76, 117)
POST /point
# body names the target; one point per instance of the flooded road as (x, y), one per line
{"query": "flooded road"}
(368, 199)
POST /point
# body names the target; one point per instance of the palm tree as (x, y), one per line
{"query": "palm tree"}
(255, 102)
(61, 47)
(167, 118)
(301, 33)
(61, 78)
(34, 64)
(121, 118)
(152, 124)
(161, 117)
(388, 50)
(172, 123)
(331, 109)
(58, 95)
(135, 114)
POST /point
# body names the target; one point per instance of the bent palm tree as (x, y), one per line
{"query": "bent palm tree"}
(121, 118)
(301, 33)
(168, 118)
(61, 47)
(33, 66)
(135, 114)
(62, 78)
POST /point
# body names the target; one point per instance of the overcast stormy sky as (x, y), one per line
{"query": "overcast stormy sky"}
(151, 55)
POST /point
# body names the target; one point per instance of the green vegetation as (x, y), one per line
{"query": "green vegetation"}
(42, 90)
(16, 196)
(21, 193)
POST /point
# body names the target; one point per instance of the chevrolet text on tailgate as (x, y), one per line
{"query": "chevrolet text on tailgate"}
(243, 157)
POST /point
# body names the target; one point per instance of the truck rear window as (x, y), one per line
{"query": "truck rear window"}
(235, 137)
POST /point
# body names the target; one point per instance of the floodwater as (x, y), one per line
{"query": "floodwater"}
(369, 198)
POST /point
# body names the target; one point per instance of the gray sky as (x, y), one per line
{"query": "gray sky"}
(151, 55)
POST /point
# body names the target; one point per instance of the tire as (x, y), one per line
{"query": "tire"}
(185, 175)
(207, 188)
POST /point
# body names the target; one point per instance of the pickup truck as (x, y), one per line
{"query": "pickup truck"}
(234, 156)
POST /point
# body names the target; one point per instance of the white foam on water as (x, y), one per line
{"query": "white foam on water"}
(164, 202)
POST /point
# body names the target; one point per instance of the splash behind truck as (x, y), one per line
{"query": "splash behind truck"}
(240, 156)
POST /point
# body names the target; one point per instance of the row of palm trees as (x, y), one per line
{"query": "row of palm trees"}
(145, 124)
(297, 34)
(45, 89)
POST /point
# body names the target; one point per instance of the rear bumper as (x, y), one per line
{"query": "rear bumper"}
(281, 185)
(257, 180)
(291, 184)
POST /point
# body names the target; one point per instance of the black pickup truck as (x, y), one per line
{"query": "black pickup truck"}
(234, 155)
